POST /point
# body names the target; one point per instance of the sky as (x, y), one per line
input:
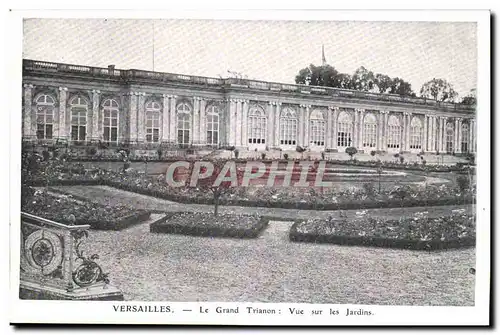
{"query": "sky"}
(264, 50)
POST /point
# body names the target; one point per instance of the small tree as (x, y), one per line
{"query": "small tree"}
(285, 156)
(301, 151)
(225, 187)
(351, 151)
(373, 153)
(401, 159)
(401, 192)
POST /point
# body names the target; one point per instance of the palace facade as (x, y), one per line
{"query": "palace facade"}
(80, 104)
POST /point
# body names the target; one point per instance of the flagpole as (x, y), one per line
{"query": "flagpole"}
(153, 45)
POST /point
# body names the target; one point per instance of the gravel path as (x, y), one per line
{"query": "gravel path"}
(163, 267)
(112, 196)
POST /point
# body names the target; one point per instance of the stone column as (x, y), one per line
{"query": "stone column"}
(270, 122)
(300, 140)
(63, 131)
(238, 121)
(334, 128)
(432, 134)
(328, 130)
(203, 121)
(244, 130)
(93, 130)
(196, 122)
(386, 118)
(459, 145)
(232, 122)
(360, 126)
(408, 130)
(473, 135)
(165, 120)
(28, 112)
(307, 110)
(173, 119)
(455, 136)
(277, 125)
(355, 129)
(425, 136)
(141, 117)
(403, 133)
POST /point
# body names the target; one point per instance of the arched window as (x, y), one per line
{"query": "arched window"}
(370, 131)
(153, 109)
(317, 128)
(450, 134)
(344, 130)
(44, 117)
(393, 132)
(183, 124)
(110, 110)
(212, 125)
(416, 133)
(465, 137)
(79, 107)
(288, 127)
(257, 126)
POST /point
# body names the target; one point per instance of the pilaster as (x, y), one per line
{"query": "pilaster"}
(28, 111)
(335, 115)
(133, 117)
(94, 119)
(277, 125)
(360, 130)
(165, 120)
(425, 137)
(141, 117)
(203, 121)
(244, 130)
(196, 121)
(307, 112)
(173, 119)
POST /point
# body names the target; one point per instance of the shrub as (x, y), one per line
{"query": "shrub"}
(463, 183)
(45, 155)
(285, 156)
(373, 153)
(323, 155)
(236, 153)
(263, 155)
(91, 151)
(401, 159)
(369, 189)
(351, 151)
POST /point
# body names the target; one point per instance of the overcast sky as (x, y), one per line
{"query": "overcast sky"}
(265, 50)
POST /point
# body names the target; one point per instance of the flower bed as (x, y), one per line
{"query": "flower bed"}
(69, 211)
(206, 224)
(418, 232)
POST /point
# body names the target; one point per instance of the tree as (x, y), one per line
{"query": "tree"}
(325, 75)
(363, 80)
(383, 83)
(351, 151)
(438, 89)
(401, 87)
(225, 187)
(470, 99)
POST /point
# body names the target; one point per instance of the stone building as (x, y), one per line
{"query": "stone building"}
(80, 104)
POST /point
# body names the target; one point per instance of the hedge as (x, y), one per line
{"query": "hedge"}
(370, 241)
(166, 227)
(353, 204)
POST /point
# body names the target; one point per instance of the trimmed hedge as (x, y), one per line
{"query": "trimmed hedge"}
(166, 227)
(353, 204)
(122, 223)
(371, 241)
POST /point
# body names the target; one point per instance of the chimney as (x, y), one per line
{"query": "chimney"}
(111, 69)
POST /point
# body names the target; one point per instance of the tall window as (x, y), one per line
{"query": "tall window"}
(110, 120)
(344, 130)
(465, 137)
(153, 122)
(257, 126)
(317, 128)
(450, 134)
(393, 132)
(78, 108)
(183, 123)
(370, 131)
(212, 125)
(416, 133)
(288, 127)
(44, 117)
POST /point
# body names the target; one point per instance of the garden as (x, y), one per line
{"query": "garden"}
(419, 231)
